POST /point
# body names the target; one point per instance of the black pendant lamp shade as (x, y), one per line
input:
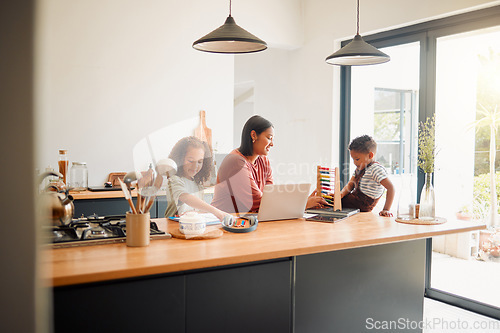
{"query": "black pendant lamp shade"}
(357, 52)
(230, 38)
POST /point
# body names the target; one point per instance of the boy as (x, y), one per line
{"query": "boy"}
(367, 184)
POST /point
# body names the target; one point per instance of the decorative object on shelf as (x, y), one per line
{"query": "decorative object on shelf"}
(426, 157)
(230, 38)
(357, 52)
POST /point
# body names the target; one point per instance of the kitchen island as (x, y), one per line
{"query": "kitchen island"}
(286, 276)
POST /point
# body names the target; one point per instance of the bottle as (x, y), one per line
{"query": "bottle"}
(79, 176)
(63, 164)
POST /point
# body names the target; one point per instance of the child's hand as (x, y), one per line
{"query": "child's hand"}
(385, 212)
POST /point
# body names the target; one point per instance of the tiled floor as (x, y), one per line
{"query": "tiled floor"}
(441, 317)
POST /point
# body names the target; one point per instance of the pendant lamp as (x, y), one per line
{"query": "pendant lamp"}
(230, 38)
(357, 52)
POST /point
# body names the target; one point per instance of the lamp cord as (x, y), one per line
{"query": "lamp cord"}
(357, 21)
(230, 7)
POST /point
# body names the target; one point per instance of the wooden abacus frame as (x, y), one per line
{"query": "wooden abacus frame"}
(324, 184)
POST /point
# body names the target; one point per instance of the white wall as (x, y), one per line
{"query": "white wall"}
(112, 72)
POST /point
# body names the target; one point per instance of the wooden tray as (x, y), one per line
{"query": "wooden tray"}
(209, 234)
(437, 220)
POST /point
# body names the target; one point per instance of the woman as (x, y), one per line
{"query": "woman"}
(246, 170)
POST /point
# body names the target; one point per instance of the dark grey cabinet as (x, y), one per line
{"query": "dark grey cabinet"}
(361, 290)
(127, 306)
(253, 298)
(229, 299)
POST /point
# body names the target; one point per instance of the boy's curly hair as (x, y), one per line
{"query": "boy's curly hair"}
(363, 144)
(179, 151)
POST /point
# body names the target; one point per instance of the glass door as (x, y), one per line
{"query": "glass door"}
(448, 68)
(384, 105)
(468, 141)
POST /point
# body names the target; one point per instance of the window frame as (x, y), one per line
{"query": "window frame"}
(426, 34)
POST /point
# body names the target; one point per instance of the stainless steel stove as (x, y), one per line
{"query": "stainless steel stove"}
(94, 230)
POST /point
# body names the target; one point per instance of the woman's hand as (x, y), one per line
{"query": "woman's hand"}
(315, 201)
(385, 212)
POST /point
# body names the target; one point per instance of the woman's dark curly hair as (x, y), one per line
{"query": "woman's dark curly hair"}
(179, 151)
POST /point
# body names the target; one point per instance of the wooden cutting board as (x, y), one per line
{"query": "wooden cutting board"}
(202, 132)
(209, 234)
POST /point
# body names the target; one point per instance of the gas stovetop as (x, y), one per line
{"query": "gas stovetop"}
(93, 230)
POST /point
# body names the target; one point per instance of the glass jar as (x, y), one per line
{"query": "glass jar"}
(406, 201)
(79, 176)
(63, 165)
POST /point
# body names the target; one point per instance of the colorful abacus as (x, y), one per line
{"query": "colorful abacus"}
(328, 182)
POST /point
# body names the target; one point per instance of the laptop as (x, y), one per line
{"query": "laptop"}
(283, 202)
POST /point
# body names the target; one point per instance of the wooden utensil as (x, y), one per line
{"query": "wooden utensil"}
(202, 132)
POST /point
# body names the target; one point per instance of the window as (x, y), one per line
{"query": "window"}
(394, 129)
(449, 68)
(384, 106)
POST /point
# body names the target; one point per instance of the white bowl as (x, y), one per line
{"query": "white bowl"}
(192, 224)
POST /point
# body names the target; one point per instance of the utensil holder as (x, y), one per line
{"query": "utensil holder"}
(138, 227)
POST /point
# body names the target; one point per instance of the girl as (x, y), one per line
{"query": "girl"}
(194, 164)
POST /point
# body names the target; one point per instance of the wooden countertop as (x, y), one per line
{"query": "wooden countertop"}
(278, 239)
(81, 195)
